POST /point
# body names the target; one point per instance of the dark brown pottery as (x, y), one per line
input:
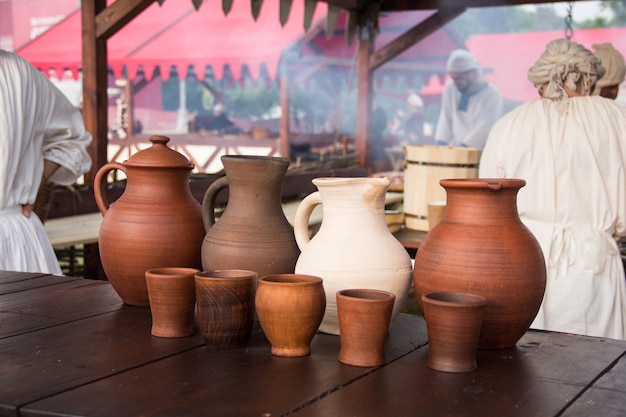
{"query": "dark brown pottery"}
(253, 232)
(290, 308)
(155, 223)
(453, 321)
(225, 300)
(364, 316)
(172, 301)
(481, 247)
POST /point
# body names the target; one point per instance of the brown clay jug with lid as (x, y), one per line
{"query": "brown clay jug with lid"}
(482, 247)
(155, 223)
(253, 232)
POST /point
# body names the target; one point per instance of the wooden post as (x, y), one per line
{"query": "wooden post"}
(99, 23)
(285, 115)
(95, 84)
(130, 114)
(364, 97)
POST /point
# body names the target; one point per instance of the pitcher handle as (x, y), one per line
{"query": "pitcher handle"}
(99, 184)
(301, 220)
(208, 202)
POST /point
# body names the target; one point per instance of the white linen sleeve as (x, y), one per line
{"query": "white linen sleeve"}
(65, 139)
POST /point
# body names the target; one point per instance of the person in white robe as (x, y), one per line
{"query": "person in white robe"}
(570, 147)
(469, 104)
(42, 138)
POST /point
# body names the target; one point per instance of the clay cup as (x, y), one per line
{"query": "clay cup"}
(225, 300)
(172, 299)
(453, 322)
(364, 317)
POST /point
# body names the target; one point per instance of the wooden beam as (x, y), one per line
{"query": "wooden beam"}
(364, 101)
(285, 116)
(315, 64)
(117, 15)
(129, 94)
(95, 82)
(95, 72)
(413, 36)
(100, 23)
(406, 5)
(344, 4)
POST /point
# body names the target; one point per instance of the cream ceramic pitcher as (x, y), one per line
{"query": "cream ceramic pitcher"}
(353, 248)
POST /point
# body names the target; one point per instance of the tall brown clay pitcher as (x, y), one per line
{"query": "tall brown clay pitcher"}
(155, 223)
(481, 247)
(253, 232)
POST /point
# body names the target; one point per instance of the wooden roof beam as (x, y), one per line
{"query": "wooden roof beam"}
(405, 5)
(117, 15)
(412, 36)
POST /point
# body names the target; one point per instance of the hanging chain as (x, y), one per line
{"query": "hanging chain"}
(569, 32)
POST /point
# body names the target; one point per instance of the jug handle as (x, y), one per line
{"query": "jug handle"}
(99, 189)
(208, 201)
(301, 220)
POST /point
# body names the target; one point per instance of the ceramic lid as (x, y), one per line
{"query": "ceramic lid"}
(159, 155)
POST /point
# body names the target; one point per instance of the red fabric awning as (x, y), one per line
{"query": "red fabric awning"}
(508, 56)
(176, 35)
(425, 59)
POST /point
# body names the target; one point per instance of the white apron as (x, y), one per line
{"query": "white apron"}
(574, 202)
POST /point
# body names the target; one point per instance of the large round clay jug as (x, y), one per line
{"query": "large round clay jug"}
(482, 247)
(253, 232)
(353, 247)
(155, 223)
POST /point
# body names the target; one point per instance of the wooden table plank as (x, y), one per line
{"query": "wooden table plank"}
(14, 276)
(606, 398)
(80, 351)
(73, 230)
(539, 377)
(40, 364)
(17, 282)
(240, 382)
(45, 306)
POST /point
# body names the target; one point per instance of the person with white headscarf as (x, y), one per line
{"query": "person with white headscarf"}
(42, 138)
(613, 62)
(570, 147)
(469, 104)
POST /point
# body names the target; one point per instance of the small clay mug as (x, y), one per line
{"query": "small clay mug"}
(364, 316)
(290, 308)
(453, 322)
(172, 299)
(225, 300)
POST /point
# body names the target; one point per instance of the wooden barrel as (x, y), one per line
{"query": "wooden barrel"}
(425, 166)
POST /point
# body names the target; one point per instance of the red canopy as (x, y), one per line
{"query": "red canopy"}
(425, 59)
(176, 35)
(508, 56)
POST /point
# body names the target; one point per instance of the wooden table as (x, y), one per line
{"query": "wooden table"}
(70, 347)
(80, 229)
